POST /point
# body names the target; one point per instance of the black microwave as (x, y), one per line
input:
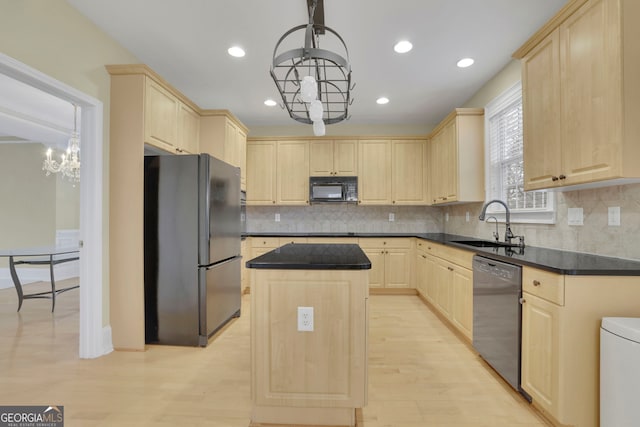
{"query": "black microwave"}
(333, 189)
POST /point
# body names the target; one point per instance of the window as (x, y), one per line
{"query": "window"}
(505, 166)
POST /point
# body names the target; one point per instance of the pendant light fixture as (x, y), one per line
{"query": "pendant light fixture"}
(69, 164)
(314, 83)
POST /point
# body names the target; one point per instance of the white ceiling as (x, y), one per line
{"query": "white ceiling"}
(186, 43)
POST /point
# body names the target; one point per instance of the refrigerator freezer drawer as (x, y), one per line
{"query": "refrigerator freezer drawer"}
(220, 293)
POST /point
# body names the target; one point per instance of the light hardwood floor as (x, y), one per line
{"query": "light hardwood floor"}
(420, 373)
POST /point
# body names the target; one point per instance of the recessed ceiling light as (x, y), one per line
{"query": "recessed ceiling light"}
(270, 103)
(465, 62)
(236, 51)
(403, 46)
(382, 100)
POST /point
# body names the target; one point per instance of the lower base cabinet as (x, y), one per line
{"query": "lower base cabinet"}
(561, 318)
(391, 262)
(444, 278)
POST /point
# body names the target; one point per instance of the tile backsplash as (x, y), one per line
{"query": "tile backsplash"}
(344, 218)
(595, 236)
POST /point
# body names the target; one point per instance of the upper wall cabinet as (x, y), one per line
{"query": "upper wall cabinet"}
(374, 172)
(333, 158)
(261, 172)
(581, 96)
(409, 169)
(169, 124)
(223, 136)
(457, 158)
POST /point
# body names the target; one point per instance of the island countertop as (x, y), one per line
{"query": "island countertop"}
(303, 256)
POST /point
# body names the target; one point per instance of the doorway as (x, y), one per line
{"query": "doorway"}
(94, 338)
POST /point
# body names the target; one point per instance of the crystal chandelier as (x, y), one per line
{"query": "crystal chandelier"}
(314, 83)
(69, 165)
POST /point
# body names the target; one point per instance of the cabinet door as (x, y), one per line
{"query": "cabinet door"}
(591, 92)
(188, 130)
(450, 162)
(321, 158)
(231, 149)
(431, 278)
(242, 160)
(421, 274)
(293, 173)
(376, 274)
(374, 166)
(345, 158)
(540, 358)
(442, 278)
(261, 173)
(397, 268)
(541, 114)
(408, 172)
(161, 117)
(462, 300)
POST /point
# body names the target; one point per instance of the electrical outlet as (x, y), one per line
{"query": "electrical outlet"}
(446, 217)
(614, 215)
(277, 217)
(305, 319)
(575, 216)
(392, 217)
(467, 216)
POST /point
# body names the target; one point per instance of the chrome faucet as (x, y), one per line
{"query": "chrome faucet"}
(508, 234)
(496, 235)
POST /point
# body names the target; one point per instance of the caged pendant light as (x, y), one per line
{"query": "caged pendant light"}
(314, 83)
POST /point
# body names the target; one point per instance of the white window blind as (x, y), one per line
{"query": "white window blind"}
(505, 167)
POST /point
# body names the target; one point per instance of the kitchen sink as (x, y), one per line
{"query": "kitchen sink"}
(484, 243)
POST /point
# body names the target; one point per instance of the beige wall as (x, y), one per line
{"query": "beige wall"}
(27, 216)
(502, 81)
(67, 204)
(57, 40)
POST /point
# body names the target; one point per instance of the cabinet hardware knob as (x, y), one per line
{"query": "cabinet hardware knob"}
(424, 256)
(273, 201)
(522, 300)
(562, 177)
(554, 178)
(450, 269)
(536, 283)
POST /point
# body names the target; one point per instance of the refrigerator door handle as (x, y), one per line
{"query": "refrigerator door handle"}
(209, 267)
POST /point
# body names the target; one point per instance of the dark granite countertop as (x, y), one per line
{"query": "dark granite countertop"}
(554, 260)
(303, 256)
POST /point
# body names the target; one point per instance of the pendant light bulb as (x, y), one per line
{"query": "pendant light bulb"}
(308, 89)
(318, 128)
(315, 110)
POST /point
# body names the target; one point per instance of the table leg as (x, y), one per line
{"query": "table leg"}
(53, 284)
(16, 282)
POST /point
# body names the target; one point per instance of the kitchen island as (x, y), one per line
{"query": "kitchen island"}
(309, 328)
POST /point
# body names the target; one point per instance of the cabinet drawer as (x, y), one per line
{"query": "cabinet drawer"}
(377, 242)
(265, 242)
(544, 284)
(286, 240)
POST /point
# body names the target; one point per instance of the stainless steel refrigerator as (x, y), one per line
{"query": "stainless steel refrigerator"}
(191, 247)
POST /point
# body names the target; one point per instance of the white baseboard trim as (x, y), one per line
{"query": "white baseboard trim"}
(107, 343)
(34, 274)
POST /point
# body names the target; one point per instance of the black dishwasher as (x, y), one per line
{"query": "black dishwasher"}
(497, 316)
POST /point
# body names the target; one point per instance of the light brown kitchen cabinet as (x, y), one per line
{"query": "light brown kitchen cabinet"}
(561, 317)
(223, 136)
(333, 158)
(391, 262)
(169, 124)
(447, 283)
(374, 172)
(409, 172)
(457, 158)
(188, 130)
(261, 172)
(581, 96)
(258, 246)
(292, 173)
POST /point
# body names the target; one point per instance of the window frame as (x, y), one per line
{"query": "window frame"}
(533, 216)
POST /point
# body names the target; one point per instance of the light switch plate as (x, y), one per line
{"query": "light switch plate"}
(614, 215)
(446, 216)
(575, 216)
(392, 217)
(467, 216)
(277, 217)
